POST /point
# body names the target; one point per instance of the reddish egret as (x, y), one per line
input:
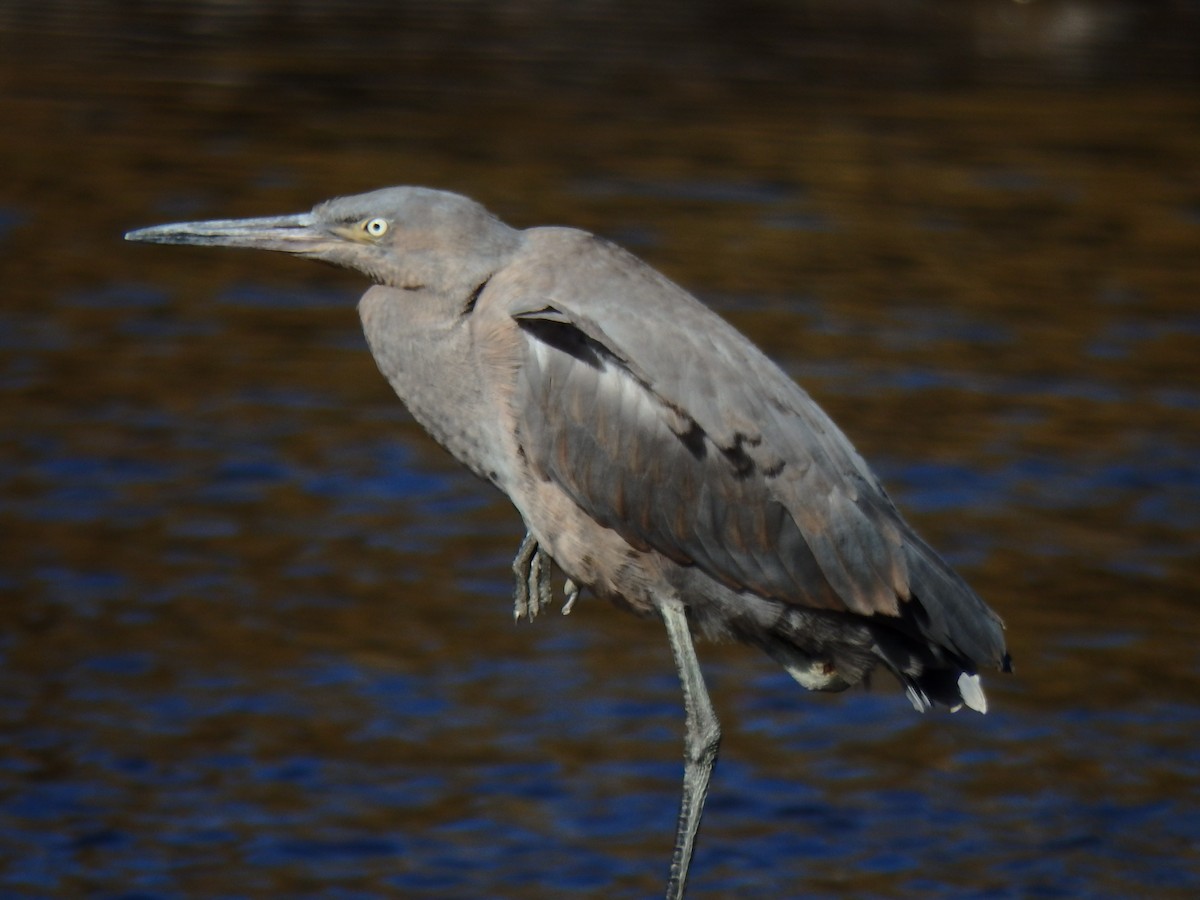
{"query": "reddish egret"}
(656, 456)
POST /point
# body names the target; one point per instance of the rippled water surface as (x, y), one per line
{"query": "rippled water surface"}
(256, 629)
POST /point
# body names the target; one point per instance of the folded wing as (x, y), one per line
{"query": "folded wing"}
(665, 424)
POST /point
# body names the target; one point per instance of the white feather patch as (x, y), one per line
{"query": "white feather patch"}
(972, 692)
(917, 698)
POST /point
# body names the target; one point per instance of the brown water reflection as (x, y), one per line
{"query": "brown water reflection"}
(256, 636)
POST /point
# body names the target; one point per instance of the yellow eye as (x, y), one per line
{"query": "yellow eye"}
(376, 228)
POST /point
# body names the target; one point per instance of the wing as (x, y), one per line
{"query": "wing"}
(667, 425)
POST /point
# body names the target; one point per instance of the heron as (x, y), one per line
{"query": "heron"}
(656, 456)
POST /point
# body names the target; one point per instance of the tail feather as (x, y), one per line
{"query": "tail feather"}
(944, 610)
(832, 651)
(942, 687)
(971, 690)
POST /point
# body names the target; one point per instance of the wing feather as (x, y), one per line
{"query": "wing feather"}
(622, 454)
(667, 425)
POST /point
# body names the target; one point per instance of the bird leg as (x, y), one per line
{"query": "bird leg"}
(534, 591)
(701, 742)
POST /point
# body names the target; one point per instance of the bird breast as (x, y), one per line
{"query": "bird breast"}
(425, 348)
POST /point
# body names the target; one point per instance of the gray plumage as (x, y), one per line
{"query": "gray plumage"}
(654, 453)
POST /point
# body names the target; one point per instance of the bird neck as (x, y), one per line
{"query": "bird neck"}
(423, 349)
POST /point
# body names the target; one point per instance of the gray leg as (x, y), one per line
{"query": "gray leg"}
(532, 570)
(700, 744)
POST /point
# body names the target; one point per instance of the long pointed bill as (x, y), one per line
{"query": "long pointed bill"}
(301, 233)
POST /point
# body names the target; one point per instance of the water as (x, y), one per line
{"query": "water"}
(256, 633)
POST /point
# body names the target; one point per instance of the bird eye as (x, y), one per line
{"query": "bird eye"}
(375, 227)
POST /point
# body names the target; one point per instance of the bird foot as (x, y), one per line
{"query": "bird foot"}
(534, 591)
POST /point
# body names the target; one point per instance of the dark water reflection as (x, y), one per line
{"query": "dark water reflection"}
(256, 637)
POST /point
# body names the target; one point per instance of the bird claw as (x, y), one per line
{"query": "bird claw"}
(532, 570)
(534, 590)
(571, 589)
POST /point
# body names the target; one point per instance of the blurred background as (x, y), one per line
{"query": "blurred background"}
(255, 628)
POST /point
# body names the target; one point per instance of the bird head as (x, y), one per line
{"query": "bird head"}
(405, 237)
